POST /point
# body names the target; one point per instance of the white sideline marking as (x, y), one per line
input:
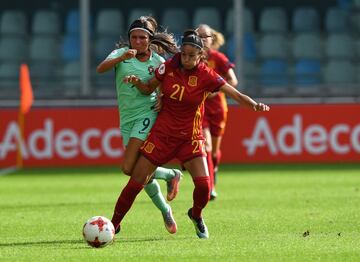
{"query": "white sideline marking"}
(6, 171)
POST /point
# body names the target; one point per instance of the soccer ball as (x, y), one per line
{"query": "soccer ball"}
(98, 231)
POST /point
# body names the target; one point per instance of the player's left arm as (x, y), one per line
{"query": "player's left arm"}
(145, 88)
(231, 78)
(243, 99)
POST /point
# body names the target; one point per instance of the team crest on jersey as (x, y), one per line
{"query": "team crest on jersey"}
(162, 69)
(192, 81)
(151, 69)
(211, 64)
(149, 147)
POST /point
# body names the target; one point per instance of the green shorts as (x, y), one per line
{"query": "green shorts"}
(138, 128)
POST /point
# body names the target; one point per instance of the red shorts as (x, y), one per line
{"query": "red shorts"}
(215, 121)
(215, 115)
(160, 148)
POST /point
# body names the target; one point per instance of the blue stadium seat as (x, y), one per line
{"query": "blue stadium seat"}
(274, 72)
(71, 48)
(72, 22)
(307, 72)
(249, 45)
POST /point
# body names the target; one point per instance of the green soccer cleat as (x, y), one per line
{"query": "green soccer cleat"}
(200, 227)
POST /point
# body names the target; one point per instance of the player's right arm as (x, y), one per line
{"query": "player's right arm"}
(110, 62)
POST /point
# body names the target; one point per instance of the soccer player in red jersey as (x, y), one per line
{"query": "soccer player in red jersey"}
(215, 106)
(177, 133)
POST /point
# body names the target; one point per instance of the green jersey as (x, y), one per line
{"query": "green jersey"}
(132, 103)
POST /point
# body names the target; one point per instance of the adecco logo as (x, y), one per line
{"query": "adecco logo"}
(314, 139)
(65, 143)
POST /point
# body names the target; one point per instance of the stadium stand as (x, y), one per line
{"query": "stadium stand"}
(288, 49)
(207, 15)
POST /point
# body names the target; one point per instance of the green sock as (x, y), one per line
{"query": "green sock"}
(164, 173)
(154, 192)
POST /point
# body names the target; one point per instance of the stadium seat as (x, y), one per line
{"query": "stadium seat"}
(340, 46)
(305, 19)
(9, 79)
(337, 20)
(274, 77)
(44, 48)
(176, 20)
(308, 45)
(13, 49)
(137, 12)
(110, 22)
(46, 22)
(207, 15)
(13, 22)
(45, 79)
(72, 22)
(307, 73)
(340, 77)
(71, 77)
(248, 20)
(273, 46)
(249, 48)
(71, 48)
(273, 20)
(103, 47)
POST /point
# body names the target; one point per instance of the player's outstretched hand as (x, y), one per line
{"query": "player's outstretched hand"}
(260, 107)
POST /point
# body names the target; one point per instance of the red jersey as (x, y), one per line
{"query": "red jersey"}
(184, 92)
(221, 64)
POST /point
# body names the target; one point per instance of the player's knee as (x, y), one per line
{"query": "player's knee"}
(126, 169)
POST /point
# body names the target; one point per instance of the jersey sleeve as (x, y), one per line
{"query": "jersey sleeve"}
(214, 81)
(224, 64)
(116, 53)
(160, 72)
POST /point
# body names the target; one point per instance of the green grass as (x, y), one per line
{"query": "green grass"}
(261, 214)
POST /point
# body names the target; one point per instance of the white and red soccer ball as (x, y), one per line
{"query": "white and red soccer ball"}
(98, 231)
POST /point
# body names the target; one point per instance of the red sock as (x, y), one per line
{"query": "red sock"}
(211, 169)
(201, 195)
(125, 201)
(216, 159)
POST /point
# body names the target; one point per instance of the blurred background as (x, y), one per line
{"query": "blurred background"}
(290, 49)
(301, 56)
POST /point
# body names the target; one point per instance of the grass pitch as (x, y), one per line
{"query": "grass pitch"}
(263, 213)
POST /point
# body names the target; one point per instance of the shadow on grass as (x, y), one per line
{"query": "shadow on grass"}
(84, 245)
(34, 243)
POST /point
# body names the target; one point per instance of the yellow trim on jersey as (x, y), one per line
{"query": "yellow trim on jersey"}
(197, 123)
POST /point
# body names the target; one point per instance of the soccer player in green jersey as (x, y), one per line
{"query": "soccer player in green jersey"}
(138, 111)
